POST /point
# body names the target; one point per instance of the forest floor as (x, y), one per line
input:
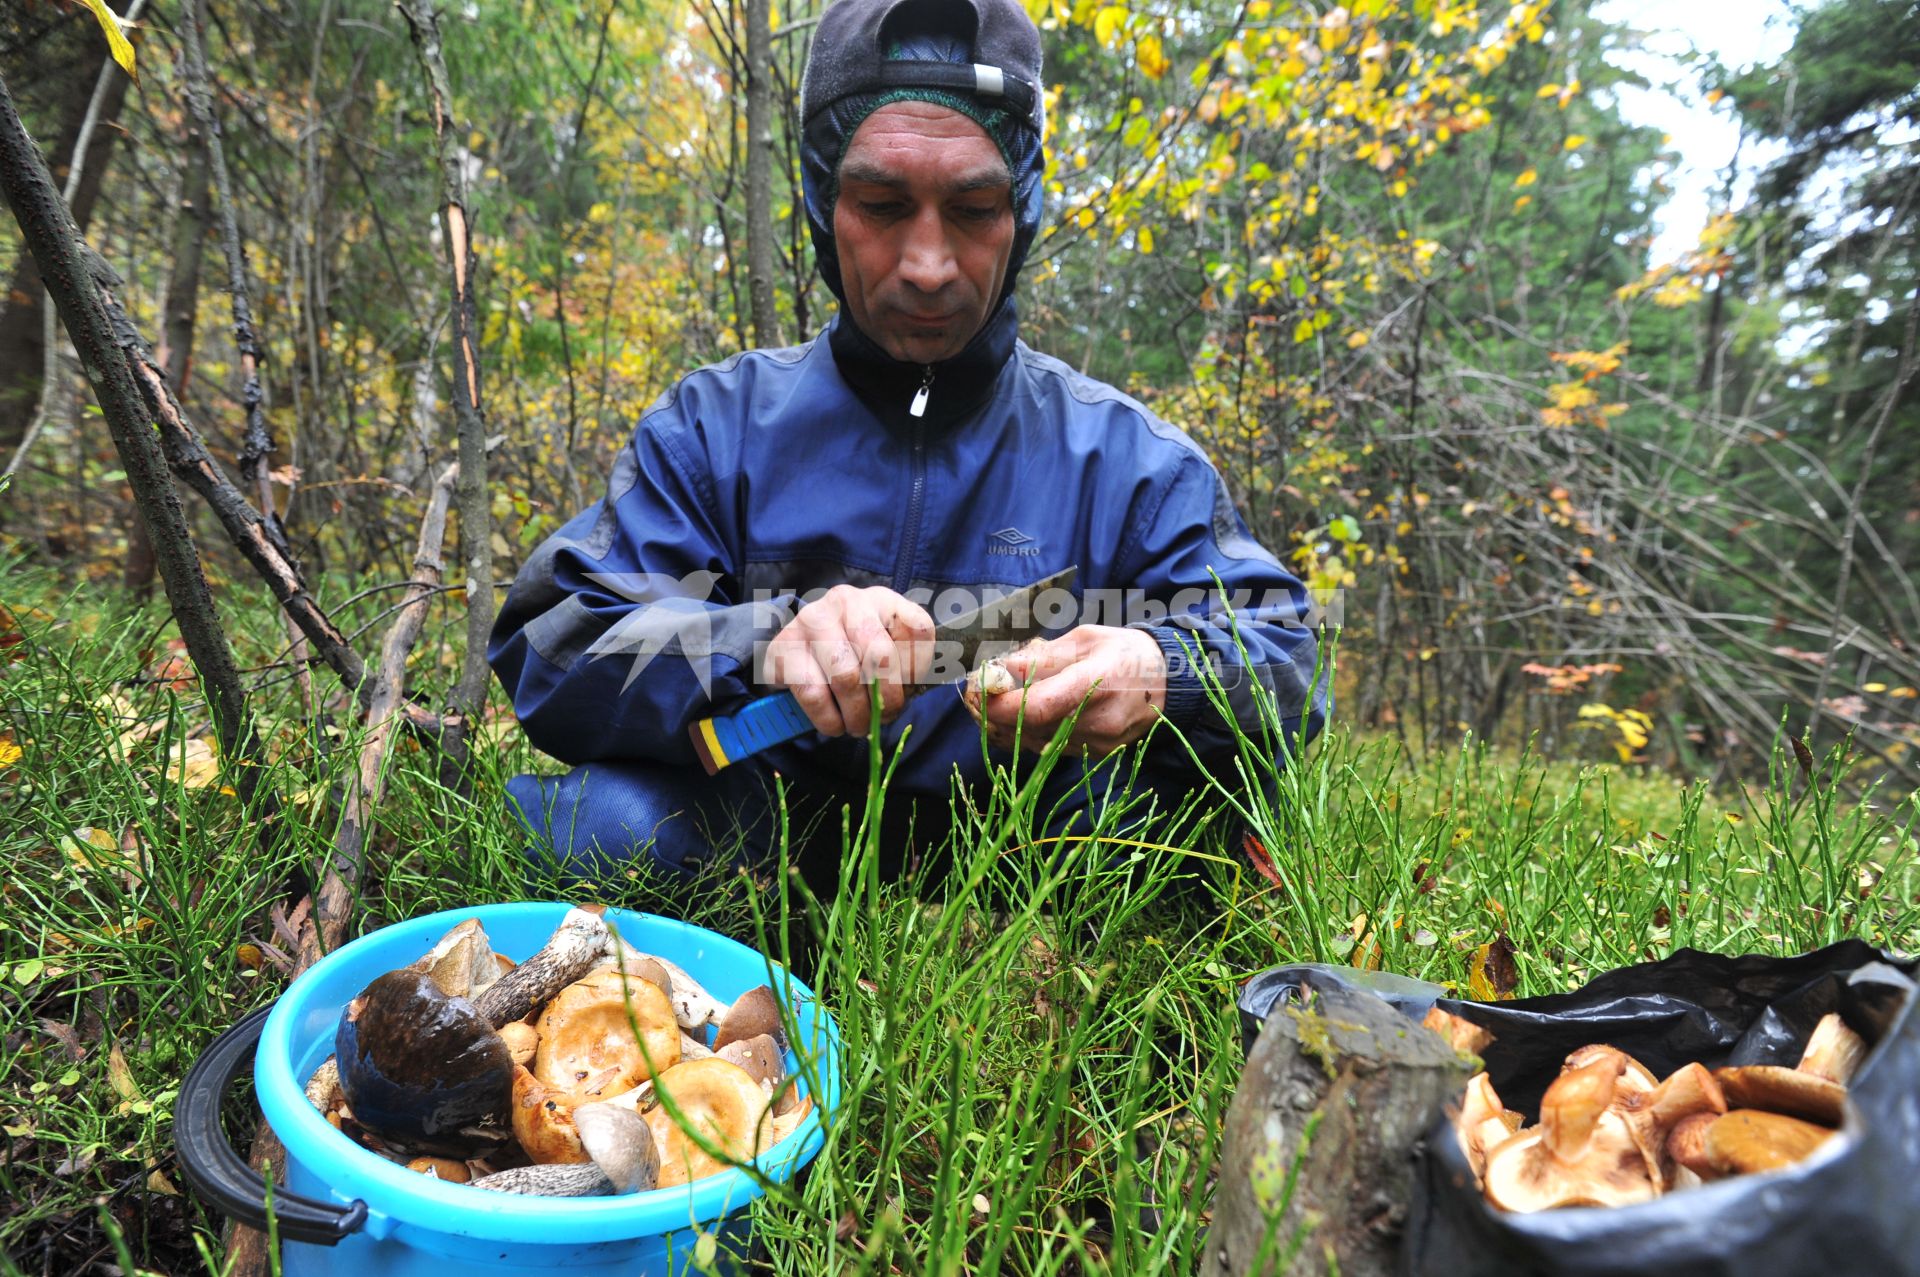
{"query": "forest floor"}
(1040, 1043)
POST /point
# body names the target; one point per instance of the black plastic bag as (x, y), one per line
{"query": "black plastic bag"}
(1853, 1208)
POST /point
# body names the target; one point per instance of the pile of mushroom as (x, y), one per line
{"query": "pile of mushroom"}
(1611, 1134)
(584, 1070)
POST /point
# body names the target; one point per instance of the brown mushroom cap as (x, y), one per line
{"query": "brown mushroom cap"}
(1787, 1091)
(1632, 1076)
(587, 1030)
(760, 1056)
(543, 1120)
(753, 1013)
(1834, 1051)
(446, 1168)
(1571, 1109)
(522, 1040)
(1524, 1175)
(716, 1098)
(1463, 1035)
(1746, 1141)
(1687, 1144)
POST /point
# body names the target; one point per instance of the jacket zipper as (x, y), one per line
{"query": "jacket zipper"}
(903, 564)
(910, 536)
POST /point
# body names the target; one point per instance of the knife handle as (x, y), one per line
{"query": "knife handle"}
(762, 724)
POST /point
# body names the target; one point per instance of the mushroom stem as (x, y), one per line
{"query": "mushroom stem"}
(553, 1179)
(693, 1006)
(568, 954)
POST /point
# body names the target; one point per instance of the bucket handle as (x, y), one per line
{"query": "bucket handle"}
(220, 1174)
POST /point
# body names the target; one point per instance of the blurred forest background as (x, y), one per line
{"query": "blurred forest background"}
(1390, 260)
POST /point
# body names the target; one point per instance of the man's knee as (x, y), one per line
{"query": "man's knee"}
(602, 817)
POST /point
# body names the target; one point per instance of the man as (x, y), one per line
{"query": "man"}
(801, 518)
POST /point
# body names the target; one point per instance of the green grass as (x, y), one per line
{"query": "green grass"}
(1039, 1045)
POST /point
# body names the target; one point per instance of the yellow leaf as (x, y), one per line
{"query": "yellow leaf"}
(1574, 142)
(1527, 178)
(1144, 238)
(120, 1076)
(116, 40)
(1876, 687)
(10, 754)
(1522, 202)
(1356, 339)
(193, 763)
(1150, 57)
(1106, 23)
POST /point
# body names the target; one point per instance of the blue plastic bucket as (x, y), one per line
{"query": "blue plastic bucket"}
(393, 1222)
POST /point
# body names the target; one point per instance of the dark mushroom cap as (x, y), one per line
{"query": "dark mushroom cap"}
(422, 1069)
(753, 1013)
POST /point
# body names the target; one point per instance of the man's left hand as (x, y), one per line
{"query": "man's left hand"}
(1120, 675)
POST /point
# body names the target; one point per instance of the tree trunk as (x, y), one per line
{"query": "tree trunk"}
(74, 276)
(176, 337)
(1316, 1170)
(760, 152)
(476, 516)
(72, 59)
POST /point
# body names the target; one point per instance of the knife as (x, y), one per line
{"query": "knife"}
(777, 718)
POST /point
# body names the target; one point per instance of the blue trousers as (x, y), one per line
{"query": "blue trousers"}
(600, 816)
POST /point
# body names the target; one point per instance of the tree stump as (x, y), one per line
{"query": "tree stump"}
(1316, 1169)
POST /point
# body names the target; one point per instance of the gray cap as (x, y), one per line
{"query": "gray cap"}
(847, 58)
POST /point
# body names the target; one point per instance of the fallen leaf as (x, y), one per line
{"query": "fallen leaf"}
(119, 1076)
(193, 763)
(10, 753)
(1491, 973)
(157, 1182)
(67, 1036)
(76, 1163)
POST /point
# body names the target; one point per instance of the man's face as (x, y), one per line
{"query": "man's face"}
(924, 228)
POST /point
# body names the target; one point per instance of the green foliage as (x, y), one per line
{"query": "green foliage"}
(1039, 1043)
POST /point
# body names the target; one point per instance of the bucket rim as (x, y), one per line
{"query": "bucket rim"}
(396, 1196)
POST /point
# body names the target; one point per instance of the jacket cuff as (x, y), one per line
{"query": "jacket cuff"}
(1185, 696)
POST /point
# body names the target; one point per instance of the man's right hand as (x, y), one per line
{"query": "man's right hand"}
(835, 647)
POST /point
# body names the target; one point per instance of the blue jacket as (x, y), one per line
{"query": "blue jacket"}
(783, 471)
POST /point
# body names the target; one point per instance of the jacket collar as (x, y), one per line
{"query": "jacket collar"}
(959, 386)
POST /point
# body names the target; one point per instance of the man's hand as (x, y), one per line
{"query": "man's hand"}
(829, 653)
(1120, 674)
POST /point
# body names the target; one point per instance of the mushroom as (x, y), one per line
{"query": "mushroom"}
(1687, 1148)
(557, 1179)
(1834, 1051)
(1787, 1091)
(446, 1168)
(1466, 1037)
(1630, 1077)
(621, 1144)
(590, 1027)
(753, 1014)
(1523, 1174)
(462, 962)
(323, 1088)
(693, 1007)
(1651, 1115)
(430, 1071)
(760, 1056)
(522, 1040)
(717, 1099)
(1582, 1152)
(1746, 1140)
(1483, 1122)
